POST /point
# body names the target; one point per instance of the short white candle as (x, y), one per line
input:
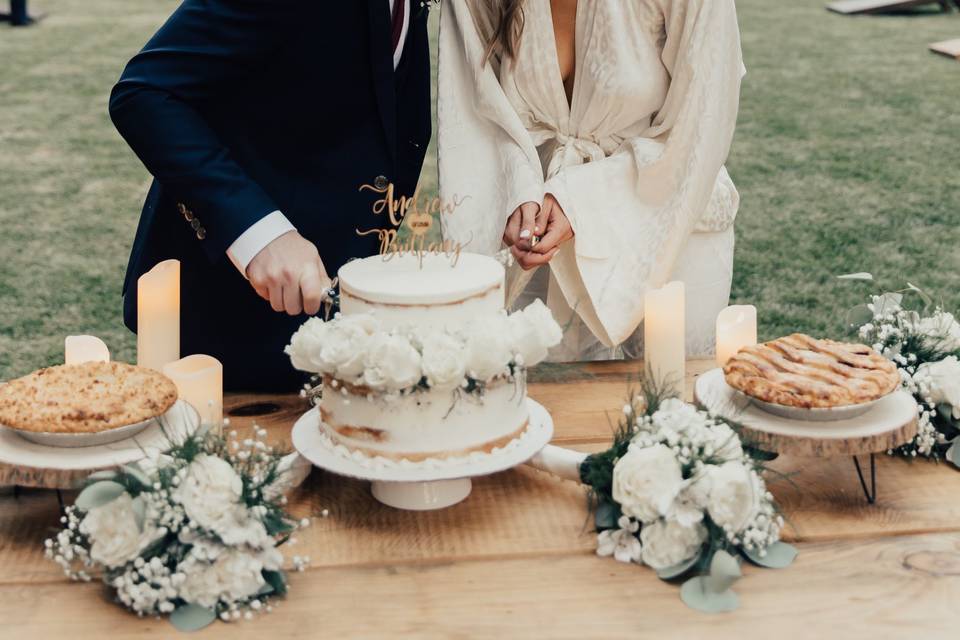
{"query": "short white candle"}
(199, 381)
(158, 315)
(80, 349)
(736, 329)
(664, 337)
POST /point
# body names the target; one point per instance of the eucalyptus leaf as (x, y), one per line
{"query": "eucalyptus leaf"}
(953, 453)
(133, 471)
(862, 275)
(888, 302)
(139, 511)
(859, 316)
(724, 571)
(277, 580)
(106, 474)
(779, 556)
(99, 494)
(192, 617)
(696, 595)
(606, 516)
(678, 569)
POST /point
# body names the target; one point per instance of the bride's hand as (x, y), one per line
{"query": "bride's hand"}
(557, 231)
(522, 226)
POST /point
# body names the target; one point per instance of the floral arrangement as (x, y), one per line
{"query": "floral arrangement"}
(680, 493)
(923, 341)
(356, 350)
(193, 534)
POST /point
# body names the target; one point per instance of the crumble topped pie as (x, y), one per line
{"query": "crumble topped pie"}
(85, 398)
(800, 371)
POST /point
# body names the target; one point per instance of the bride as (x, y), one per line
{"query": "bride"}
(590, 137)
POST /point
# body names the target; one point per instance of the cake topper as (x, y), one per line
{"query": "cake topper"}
(417, 240)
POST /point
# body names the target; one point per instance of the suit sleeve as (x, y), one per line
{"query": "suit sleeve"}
(203, 49)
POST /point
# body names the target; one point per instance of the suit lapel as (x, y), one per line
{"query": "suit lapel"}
(381, 57)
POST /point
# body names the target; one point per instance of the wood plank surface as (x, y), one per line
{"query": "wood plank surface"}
(905, 587)
(517, 555)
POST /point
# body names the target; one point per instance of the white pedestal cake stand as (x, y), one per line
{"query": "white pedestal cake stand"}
(419, 486)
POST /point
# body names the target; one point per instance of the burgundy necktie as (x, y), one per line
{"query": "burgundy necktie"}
(399, 11)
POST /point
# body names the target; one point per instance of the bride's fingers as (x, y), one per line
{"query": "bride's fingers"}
(528, 211)
(530, 260)
(511, 233)
(557, 233)
(542, 220)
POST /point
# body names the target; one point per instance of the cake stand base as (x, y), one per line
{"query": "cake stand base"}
(424, 486)
(422, 496)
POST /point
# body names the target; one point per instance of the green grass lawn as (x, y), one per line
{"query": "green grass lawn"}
(846, 157)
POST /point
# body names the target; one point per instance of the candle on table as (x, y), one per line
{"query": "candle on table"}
(736, 328)
(664, 337)
(199, 381)
(80, 349)
(158, 315)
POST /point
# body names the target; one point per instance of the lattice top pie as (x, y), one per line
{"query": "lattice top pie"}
(800, 371)
(85, 398)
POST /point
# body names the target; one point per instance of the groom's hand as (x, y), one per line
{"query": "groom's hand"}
(289, 274)
(557, 230)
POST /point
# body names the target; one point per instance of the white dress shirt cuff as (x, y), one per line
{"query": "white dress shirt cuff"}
(252, 241)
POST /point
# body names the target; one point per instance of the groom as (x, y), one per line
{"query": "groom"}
(260, 120)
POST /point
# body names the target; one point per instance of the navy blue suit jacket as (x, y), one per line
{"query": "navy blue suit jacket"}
(242, 107)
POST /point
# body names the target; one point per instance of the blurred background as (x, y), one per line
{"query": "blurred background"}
(846, 156)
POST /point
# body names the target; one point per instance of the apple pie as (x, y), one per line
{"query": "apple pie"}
(800, 371)
(85, 398)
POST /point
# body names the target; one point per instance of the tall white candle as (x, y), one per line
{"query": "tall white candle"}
(199, 381)
(80, 349)
(158, 315)
(736, 328)
(664, 335)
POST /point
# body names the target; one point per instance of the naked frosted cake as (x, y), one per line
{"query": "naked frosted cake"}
(423, 361)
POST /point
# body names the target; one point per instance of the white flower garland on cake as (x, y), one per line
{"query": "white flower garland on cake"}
(357, 350)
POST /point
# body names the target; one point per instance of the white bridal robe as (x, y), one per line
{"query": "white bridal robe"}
(635, 158)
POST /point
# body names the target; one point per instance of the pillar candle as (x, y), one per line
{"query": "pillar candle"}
(80, 349)
(199, 381)
(664, 337)
(736, 328)
(158, 315)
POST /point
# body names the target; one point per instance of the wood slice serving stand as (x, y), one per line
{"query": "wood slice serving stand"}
(887, 425)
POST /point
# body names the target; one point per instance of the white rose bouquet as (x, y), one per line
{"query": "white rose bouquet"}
(679, 493)
(193, 534)
(923, 341)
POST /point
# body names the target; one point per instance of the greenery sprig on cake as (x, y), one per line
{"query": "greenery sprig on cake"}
(680, 493)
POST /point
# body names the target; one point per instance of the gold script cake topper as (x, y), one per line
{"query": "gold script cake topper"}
(419, 222)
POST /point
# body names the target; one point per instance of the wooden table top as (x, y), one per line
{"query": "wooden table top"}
(516, 559)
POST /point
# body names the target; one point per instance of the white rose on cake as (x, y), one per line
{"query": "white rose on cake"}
(666, 543)
(548, 331)
(443, 360)
(943, 378)
(391, 362)
(942, 331)
(488, 349)
(234, 575)
(114, 534)
(305, 345)
(344, 346)
(732, 500)
(525, 338)
(645, 482)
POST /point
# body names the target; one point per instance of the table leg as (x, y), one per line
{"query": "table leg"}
(869, 493)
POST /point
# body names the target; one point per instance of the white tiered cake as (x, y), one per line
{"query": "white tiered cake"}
(423, 361)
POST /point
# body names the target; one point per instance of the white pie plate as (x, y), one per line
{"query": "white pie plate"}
(810, 415)
(72, 440)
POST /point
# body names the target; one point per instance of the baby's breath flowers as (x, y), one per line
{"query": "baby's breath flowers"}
(679, 492)
(924, 343)
(193, 533)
